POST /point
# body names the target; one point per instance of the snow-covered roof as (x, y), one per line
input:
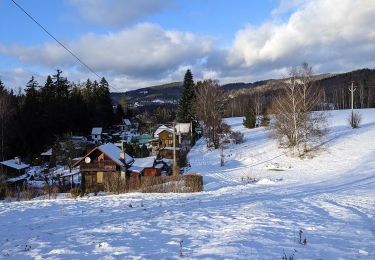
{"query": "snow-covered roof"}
(15, 165)
(146, 162)
(113, 152)
(159, 130)
(183, 128)
(97, 131)
(47, 153)
(159, 166)
(136, 169)
(126, 122)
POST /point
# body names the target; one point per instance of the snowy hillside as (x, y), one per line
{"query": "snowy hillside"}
(252, 208)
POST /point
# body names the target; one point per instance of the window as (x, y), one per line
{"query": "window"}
(99, 177)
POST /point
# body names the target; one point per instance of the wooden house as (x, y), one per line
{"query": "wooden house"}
(166, 138)
(101, 165)
(146, 166)
(13, 168)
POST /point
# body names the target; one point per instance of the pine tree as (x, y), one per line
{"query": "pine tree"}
(250, 117)
(185, 110)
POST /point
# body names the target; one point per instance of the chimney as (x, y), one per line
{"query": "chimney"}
(17, 160)
(122, 153)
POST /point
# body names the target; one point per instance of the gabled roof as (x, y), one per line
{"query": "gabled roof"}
(112, 151)
(47, 153)
(168, 130)
(126, 122)
(13, 164)
(97, 131)
(146, 162)
(161, 128)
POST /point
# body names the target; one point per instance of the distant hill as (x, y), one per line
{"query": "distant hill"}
(170, 93)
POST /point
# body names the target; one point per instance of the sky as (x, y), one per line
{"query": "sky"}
(140, 43)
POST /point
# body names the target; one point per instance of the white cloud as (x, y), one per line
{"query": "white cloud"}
(117, 12)
(335, 35)
(145, 51)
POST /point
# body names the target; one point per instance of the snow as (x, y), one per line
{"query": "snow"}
(113, 152)
(146, 162)
(183, 128)
(251, 208)
(47, 153)
(160, 129)
(15, 165)
(126, 122)
(97, 131)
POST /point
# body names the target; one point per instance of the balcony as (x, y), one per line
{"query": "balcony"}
(102, 166)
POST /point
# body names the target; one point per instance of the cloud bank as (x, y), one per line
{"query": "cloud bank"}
(333, 36)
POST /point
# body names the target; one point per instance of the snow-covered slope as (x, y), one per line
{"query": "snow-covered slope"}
(330, 198)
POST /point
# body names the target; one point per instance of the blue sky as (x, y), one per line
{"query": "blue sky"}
(138, 43)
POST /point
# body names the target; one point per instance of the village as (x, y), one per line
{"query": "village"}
(115, 160)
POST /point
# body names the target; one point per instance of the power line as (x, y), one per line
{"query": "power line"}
(60, 43)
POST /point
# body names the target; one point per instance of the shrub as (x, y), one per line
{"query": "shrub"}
(194, 182)
(355, 119)
(75, 192)
(30, 193)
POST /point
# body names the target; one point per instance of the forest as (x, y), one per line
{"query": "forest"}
(32, 120)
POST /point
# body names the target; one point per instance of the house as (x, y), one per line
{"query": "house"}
(160, 128)
(96, 135)
(184, 131)
(146, 166)
(101, 165)
(166, 138)
(14, 167)
(46, 156)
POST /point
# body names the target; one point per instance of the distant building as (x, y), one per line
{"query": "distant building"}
(13, 167)
(96, 135)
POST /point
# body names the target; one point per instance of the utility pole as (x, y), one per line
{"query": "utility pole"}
(175, 167)
(352, 89)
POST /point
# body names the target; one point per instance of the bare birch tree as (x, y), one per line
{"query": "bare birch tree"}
(295, 125)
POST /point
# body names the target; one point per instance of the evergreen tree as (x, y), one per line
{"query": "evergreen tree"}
(250, 117)
(185, 110)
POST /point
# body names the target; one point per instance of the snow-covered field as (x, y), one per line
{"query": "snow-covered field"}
(331, 198)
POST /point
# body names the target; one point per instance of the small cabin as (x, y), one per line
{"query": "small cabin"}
(146, 166)
(96, 135)
(125, 125)
(13, 168)
(101, 166)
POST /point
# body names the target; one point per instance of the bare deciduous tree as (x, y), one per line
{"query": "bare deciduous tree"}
(209, 108)
(295, 124)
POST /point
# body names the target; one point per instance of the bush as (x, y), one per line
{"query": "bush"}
(237, 137)
(75, 192)
(30, 193)
(355, 119)
(194, 182)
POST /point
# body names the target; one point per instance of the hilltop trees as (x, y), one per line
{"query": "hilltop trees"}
(45, 113)
(295, 125)
(185, 110)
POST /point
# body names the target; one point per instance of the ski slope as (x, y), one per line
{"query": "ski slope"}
(330, 198)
